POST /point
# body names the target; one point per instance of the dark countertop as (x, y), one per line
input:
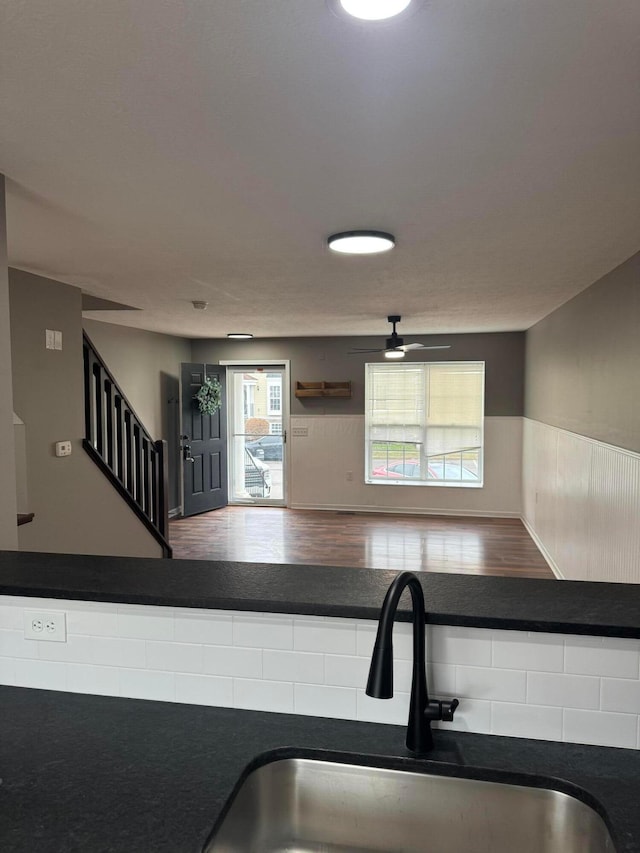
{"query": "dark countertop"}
(523, 604)
(97, 774)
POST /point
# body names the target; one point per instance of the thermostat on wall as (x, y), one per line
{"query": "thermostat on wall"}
(63, 448)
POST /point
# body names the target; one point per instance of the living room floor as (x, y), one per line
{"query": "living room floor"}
(461, 545)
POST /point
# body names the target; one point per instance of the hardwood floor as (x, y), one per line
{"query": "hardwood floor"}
(480, 546)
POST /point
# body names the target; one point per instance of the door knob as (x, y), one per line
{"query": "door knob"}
(186, 453)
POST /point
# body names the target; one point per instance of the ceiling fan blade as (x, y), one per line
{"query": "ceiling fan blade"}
(408, 347)
(356, 350)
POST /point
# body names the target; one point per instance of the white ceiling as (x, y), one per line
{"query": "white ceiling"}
(161, 151)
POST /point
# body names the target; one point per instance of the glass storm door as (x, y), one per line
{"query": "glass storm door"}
(257, 405)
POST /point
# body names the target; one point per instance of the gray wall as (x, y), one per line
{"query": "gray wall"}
(8, 503)
(77, 510)
(314, 359)
(583, 361)
(146, 365)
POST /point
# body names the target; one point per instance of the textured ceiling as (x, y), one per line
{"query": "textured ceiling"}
(162, 151)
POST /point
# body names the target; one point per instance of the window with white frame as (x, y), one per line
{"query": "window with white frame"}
(275, 428)
(424, 423)
(274, 395)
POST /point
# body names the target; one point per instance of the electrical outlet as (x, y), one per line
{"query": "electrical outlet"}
(49, 625)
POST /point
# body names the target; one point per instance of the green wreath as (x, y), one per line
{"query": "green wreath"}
(209, 396)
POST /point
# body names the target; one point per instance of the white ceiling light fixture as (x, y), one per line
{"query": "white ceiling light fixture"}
(374, 10)
(394, 353)
(239, 336)
(199, 305)
(361, 242)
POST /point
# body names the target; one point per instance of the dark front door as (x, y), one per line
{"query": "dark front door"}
(204, 443)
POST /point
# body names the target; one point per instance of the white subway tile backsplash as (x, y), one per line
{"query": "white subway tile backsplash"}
(564, 691)
(442, 679)
(144, 684)
(584, 689)
(48, 675)
(263, 632)
(93, 619)
(263, 695)
(76, 650)
(346, 671)
(7, 671)
(483, 683)
(305, 667)
(114, 651)
(228, 660)
(310, 636)
(472, 715)
(601, 728)
(145, 623)
(526, 721)
(175, 657)
(14, 645)
(86, 678)
(395, 710)
(620, 694)
(466, 646)
(514, 650)
(204, 690)
(323, 701)
(587, 656)
(203, 626)
(10, 617)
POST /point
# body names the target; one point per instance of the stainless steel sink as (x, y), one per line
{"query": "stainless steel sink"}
(302, 805)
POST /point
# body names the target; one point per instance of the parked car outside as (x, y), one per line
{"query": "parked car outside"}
(437, 470)
(257, 476)
(266, 447)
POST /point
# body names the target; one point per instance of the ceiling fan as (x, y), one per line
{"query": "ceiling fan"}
(395, 345)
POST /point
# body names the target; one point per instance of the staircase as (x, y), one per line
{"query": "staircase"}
(121, 447)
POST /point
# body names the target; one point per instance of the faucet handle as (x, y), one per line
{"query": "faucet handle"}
(439, 710)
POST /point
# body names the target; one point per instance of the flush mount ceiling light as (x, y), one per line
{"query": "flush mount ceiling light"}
(239, 336)
(199, 306)
(374, 10)
(361, 242)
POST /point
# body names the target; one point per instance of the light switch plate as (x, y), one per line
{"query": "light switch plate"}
(300, 431)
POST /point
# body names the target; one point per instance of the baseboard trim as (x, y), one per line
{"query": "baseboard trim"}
(401, 510)
(540, 545)
(175, 512)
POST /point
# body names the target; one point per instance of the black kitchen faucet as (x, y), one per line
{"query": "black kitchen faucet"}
(422, 710)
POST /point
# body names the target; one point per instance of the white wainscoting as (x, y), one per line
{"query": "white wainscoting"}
(581, 504)
(549, 686)
(334, 446)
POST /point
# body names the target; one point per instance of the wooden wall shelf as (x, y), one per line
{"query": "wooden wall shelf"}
(323, 389)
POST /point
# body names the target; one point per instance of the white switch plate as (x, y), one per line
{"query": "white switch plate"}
(57, 340)
(47, 625)
(49, 339)
(63, 448)
(301, 431)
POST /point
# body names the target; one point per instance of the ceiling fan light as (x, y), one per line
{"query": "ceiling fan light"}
(239, 336)
(361, 242)
(394, 353)
(374, 10)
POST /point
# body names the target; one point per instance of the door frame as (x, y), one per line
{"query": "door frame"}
(286, 415)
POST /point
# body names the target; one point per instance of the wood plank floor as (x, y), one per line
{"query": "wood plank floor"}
(479, 546)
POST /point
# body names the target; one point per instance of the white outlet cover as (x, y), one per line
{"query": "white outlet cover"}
(46, 625)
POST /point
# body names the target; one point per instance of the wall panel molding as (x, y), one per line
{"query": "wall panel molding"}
(581, 504)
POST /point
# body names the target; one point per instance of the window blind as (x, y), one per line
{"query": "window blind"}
(424, 422)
